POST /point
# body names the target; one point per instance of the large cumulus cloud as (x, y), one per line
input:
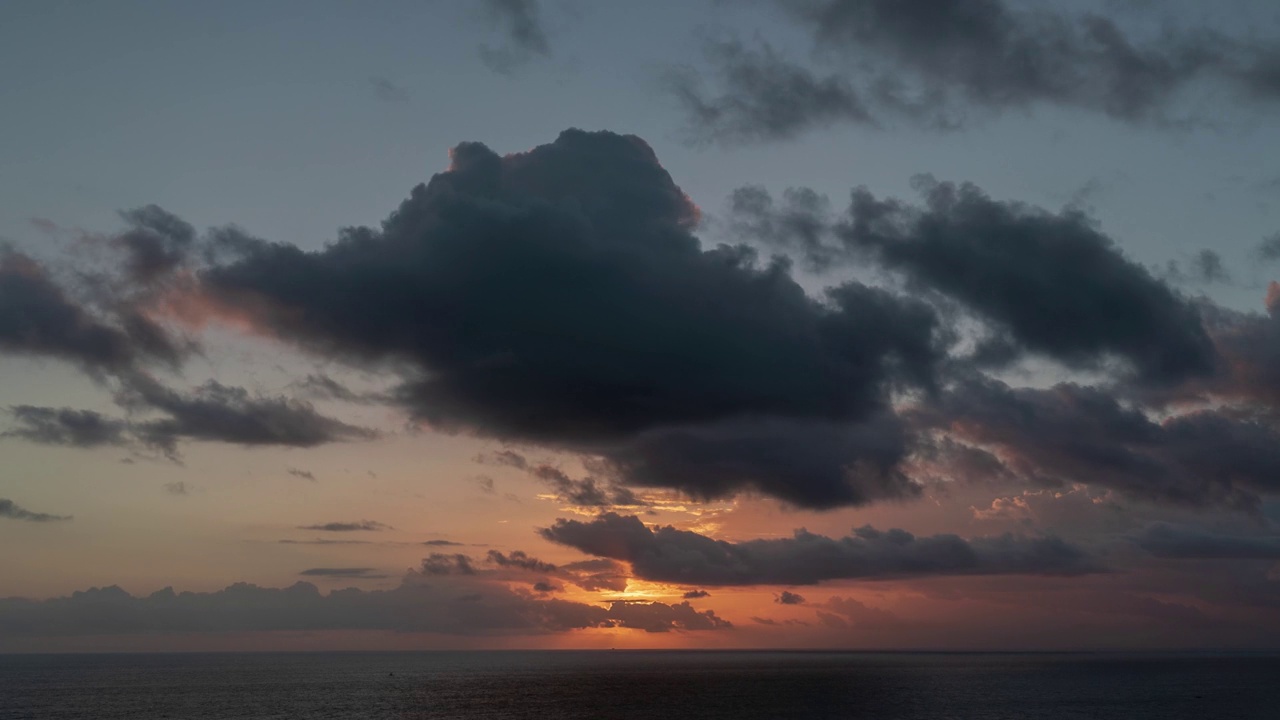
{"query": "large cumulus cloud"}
(558, 296)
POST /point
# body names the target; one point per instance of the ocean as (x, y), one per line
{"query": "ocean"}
(641, 684)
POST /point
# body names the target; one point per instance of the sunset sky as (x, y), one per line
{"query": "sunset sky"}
(946, 324)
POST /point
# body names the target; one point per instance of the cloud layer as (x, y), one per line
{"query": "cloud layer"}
(430, 601)
(941, 64)
(560, 299)
(666, 554)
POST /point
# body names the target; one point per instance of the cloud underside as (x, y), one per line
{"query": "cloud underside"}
(666, 554)
(559, 298)
(943, 64)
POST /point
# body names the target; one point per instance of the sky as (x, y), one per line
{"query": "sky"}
(932, 324)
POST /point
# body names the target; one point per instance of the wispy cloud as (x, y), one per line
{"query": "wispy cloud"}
(10, 510)
(387, 91)
(355, 526)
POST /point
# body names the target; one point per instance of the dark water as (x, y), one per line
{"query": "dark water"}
(667, 685)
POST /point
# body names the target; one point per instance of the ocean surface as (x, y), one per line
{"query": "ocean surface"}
(624, 684)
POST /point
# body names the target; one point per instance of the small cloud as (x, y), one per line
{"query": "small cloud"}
(441, 543)
(520, 22)
(695, 594)
(789, 598)
(387, 91)
(361, 525)
(518, 559)
(177, 488)
(1205, 267)
(8, 509)
(304, 474)
(442, 564)
(323, 541)
(45, 225)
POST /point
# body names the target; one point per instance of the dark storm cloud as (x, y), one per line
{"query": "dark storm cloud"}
(520, 22)
(66, 426)
(1073, 433)
(941, 63)
(37, 317)
(13, 512)
(763, 96)
(559, 297)
(458, 606)
(1172, 541)
(680, 556)
(361, 525)
(346, 572)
